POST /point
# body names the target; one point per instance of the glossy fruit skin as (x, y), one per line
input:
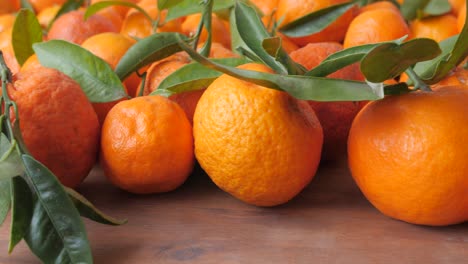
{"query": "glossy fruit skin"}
(58, 123)
(147, 145)
(408, 155)
(260, 145)
(374, 26)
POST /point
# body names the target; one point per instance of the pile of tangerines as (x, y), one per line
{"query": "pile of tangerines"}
(407, 153)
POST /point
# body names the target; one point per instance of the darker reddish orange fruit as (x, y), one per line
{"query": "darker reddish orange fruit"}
(73, 28)
(58, 123)
(335, 117)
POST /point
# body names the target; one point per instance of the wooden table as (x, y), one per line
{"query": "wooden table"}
(329, 222)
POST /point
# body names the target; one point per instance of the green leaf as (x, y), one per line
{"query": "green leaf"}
(88, 210)
(411, 9)
(301, 87)
(253, 33)
(166, 4)
(427, 69)
(94, 75)
(27, 5)
(315, 21)
(150, 49)
(206, 20)
(188, 7)
(10, 161)
(390, 60)
(437, 69)
(21, 212)
(343, 58)
(56, 234)
(238, 45)
(26, 32)
(194, 76)
(5, 199)
(437, 7)
(68, 6)
(94, 8)
(419, 8)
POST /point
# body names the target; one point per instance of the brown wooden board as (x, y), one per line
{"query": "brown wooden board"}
(329, 222)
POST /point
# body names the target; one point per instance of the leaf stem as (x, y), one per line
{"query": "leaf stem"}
(418, 83)
(6, 77)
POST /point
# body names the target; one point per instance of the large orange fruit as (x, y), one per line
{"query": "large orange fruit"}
(260, 145)
(408, 155)
(147, 145)
(58, 123)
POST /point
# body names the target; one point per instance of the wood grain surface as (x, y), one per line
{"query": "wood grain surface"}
(329, 222)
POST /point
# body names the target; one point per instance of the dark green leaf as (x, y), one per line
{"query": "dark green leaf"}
(272, 45)
(5, 199)
(411, 9)
(26, 4)
(10, 161)
(21, 211)
(397, 89)
(26, 32)
(238, 45)
(94, 8)
(301, 87)
(94, 75)
(343, 58)
(194, 76)
(88, 210)
(438, 68)
(316, 21)
(56, 234)
(389, 60)
(427, 69)
(150, 49)
(253, 33)
(166, 4)
(419, 8)
(70, 5)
